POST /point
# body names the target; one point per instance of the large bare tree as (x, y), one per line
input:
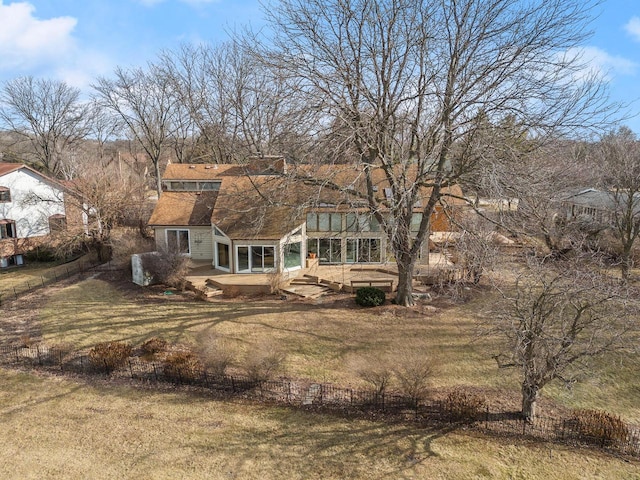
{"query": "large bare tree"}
(147, 106)
(47, 115)
(407, 80)
(556, 319)
(619, 168)
(238, 108)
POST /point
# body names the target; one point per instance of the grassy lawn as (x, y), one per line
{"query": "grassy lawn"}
(59, 428)
(323, 342)
(32, 274)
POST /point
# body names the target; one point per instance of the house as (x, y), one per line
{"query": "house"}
(599, 206)
(254, 219)
(31, 207)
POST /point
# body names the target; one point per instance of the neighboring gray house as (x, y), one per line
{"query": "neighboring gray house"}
(598, 206)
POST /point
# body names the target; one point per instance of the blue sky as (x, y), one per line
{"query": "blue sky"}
(77, 40)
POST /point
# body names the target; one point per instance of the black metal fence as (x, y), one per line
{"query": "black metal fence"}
(51, 276)
(330, 397)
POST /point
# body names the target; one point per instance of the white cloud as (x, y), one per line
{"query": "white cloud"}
(26, 41)
(598, 62)
(633, 28)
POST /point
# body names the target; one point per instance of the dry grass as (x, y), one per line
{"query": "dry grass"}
(119, 432)
(322, 342)
(30, 275)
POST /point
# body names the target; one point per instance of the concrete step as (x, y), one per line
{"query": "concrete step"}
(307, 291)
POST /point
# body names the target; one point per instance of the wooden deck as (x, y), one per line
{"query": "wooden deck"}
(346, 278)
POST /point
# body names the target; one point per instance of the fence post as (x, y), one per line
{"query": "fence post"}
(155, 371)
(28, 285)
(15, 294)
(486, 418)
(42, 278)
(130, 369)
(38, 355)
(17, 356)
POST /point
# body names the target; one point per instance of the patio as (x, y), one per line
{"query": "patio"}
(314, 280)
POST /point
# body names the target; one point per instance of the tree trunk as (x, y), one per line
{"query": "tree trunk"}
(529, 400)
(627, 264)
(404, 294)
(156, 166)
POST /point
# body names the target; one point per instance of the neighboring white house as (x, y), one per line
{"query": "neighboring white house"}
(31, 206)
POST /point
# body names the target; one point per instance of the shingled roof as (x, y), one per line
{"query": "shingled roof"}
(259, 203)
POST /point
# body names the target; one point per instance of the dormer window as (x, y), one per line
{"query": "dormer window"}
(5, 195)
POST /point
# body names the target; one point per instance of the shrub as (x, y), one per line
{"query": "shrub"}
(109, 356)
(263, 363)
(183, 366)
(216, 354)
(464, 406)
(413, 375)
(375, 371)
(152, 346)
(370, 297)
(167, 267)
(602, 428)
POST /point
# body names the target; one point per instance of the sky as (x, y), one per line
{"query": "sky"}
(78, 40)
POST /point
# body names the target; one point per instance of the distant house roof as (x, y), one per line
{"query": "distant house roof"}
(600, 199)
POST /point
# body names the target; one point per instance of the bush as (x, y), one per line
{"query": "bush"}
(183, 366)
(109, 356)
(375, 371)
(264, 363)
(152, 346)
(413, 375)
(370, 297)
(602, 428)
(464, 406)
(216, 354)
(167, 267)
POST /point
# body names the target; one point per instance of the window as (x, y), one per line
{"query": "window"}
(57, 223)
(209, 186)
(293, 255)
(262, 258)
(416, 219)
(255, 258)
(328, 250)
(358, 222)
(7, 229)
(5, 195)
(363, 250)
(192, 186)
(324, 222)
(178, 241)
(223, 255)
